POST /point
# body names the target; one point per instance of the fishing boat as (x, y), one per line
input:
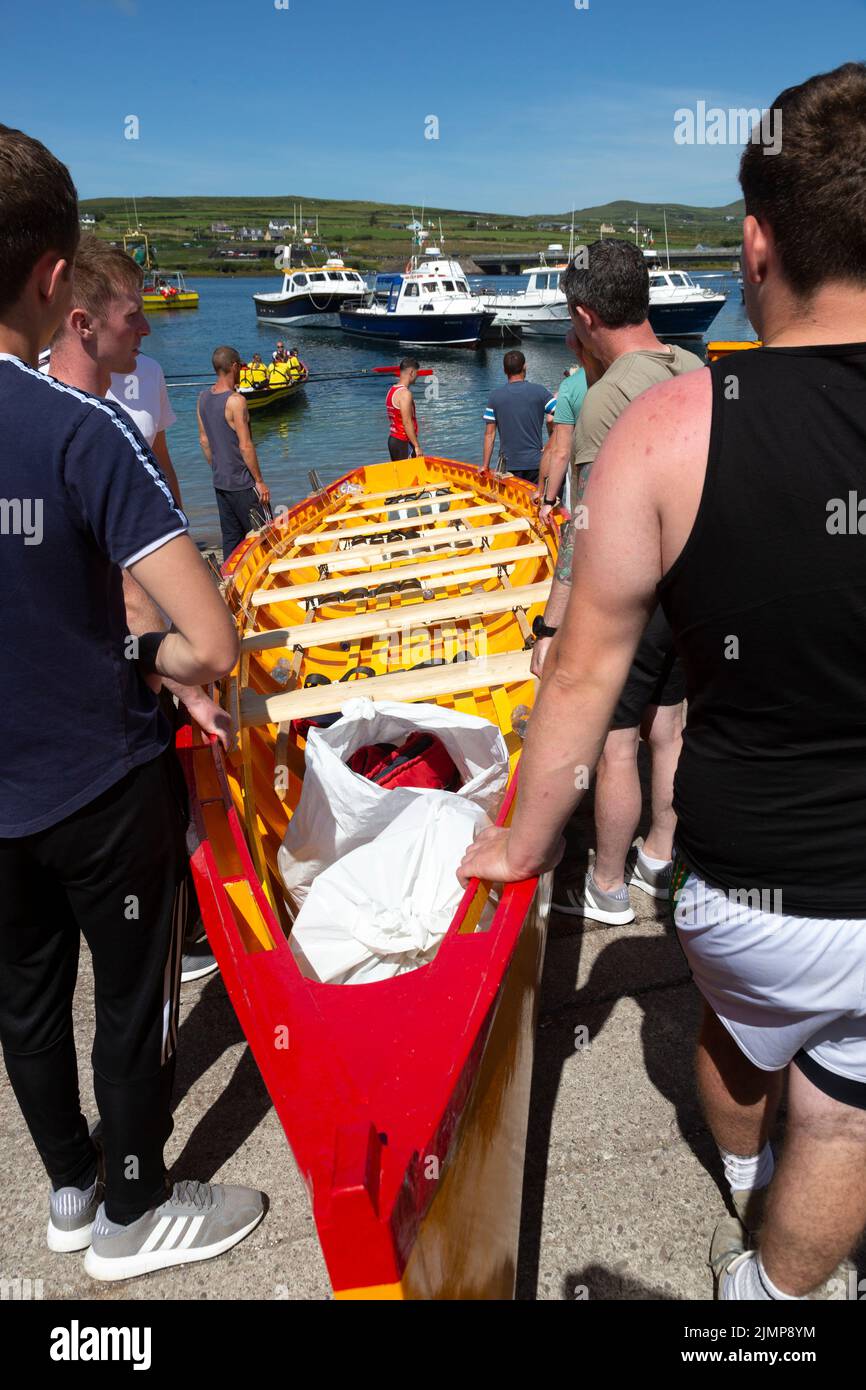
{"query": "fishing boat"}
(538, 311)
(405, 1101)
(429, 303)
(162, 289)
(167, 289)
(312, 296)
(678, 307)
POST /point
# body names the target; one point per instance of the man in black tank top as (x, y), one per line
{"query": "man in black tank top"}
(242, 495)
(737, 496)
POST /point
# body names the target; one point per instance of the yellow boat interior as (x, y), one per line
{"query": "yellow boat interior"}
(415, 580)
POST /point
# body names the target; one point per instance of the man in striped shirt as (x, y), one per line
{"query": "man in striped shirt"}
(519, 410)
(92, 829)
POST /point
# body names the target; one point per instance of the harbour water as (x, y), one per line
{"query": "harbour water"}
(337, 425)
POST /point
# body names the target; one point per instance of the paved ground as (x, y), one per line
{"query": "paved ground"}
(622, 1177)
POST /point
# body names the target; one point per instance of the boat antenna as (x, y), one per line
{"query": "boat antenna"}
(571, 237)
(137, 223)
(667, 249)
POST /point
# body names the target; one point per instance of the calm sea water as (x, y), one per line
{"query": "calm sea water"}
(338, 425)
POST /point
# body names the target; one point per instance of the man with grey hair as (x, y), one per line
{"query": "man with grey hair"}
(607, 288)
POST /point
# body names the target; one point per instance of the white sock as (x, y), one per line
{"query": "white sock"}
(750, 1282)
(772, 1291)
(746, 1173)
(745, 1282)
(654, 864)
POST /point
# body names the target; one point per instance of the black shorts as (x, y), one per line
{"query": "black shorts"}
(400, 448)
(656, 675)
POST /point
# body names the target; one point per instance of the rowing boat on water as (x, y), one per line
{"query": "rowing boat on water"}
(405, 1101)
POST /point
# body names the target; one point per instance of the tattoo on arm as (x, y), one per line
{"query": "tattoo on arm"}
(564, 559)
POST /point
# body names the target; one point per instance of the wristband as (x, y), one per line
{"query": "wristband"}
(148, 646)
(540, 628)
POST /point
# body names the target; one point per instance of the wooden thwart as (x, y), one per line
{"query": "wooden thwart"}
(505, 668)
(432, 581)
(428, 569)
(434, 506)
(407, 615)
(397, 491)
(381, 527)
(357, 557)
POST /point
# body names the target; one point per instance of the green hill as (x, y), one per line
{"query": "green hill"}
(374, 235)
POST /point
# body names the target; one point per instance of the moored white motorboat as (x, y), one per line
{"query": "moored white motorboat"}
(430, 302)
(312, 296)
(678, 308)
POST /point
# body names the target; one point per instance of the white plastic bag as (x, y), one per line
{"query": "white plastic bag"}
(340, 810)
(383, 909)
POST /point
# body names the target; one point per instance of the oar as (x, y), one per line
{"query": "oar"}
(336, 376)
(367, 371)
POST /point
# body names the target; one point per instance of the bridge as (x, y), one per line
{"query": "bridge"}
(501, 263)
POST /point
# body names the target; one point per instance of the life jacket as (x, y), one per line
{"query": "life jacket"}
(422, 761)
(295, 366)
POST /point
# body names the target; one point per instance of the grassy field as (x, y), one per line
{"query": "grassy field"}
(374, 236)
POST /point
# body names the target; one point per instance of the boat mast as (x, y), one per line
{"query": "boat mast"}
(667, 249)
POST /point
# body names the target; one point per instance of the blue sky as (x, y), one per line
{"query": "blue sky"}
(539, 104)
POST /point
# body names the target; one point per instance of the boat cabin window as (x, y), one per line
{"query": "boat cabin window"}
(298, 281)
(335, 275)
(317, 275)
(430, 286)
(449, 285)
(677, 279)
(462, 285)
(411, 291)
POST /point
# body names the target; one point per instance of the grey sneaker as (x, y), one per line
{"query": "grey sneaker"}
(612, 908)
(198, 1221)
(656, 883)
(71, 1214)
(197, 961)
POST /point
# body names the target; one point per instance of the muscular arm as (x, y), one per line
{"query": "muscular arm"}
(203, 439)
(204, 645)
(643, 501)
(406, 416)
(238, 416)
(555, 461)
(489, 440)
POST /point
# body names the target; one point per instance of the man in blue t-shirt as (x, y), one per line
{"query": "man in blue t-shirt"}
(92, 819)
(519, 410)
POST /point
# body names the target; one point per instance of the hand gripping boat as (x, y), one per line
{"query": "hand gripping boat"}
(405, 1101)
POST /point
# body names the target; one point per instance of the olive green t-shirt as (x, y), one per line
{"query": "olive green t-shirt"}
(624, 379)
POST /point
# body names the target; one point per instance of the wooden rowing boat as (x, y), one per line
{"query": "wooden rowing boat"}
(405, 1101)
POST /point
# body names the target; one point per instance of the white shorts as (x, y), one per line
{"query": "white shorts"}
(779, 984)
